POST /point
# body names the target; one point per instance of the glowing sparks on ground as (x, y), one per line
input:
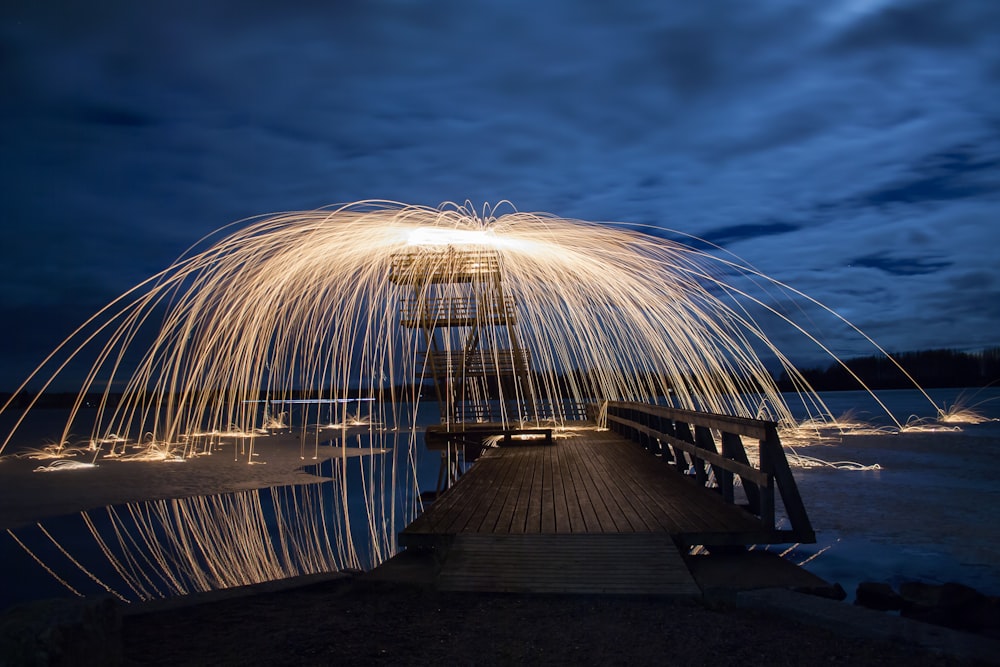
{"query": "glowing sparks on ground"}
(960, 412)
(65, 464)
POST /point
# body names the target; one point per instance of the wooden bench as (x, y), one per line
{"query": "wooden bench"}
(437, 438)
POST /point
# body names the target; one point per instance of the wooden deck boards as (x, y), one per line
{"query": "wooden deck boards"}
(593, 483)
(596, 563)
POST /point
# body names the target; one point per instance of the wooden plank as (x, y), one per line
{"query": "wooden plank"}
(671, 491)
(662, 514)
(690, 507)
(590, 493)
(619, 564)
(550, 503)
(574, 513)
(459, 495)
(478, 493)
(516, 517)
(537, 504)
(506, 483)
(427, 520)
(611, 474)
(581, 493)
(507, 500)
(741, 468)
(754, 428)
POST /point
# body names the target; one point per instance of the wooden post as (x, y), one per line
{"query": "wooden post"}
(726, 477)
(732, 447)
(790, 497)
(643, 419)
(767, 492)
(658, 425)
(703, 439)
(683, 432)
(703, 436)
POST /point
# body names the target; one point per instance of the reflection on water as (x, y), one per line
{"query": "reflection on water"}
(199, 540)
(926, 514)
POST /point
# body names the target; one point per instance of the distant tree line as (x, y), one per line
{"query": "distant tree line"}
(929, 368)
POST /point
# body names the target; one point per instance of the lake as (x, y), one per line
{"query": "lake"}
(927, 512)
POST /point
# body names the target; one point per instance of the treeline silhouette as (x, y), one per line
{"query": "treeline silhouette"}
(929, 368)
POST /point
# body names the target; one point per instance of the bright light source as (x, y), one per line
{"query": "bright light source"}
(446, 236)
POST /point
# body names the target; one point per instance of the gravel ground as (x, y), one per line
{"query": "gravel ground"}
(354, 622)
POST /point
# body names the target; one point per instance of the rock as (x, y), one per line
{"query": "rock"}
(831, 592)
(986, 617)
(877, 595)
(952, 605)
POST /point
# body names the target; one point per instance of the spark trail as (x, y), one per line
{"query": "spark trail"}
(323, 307)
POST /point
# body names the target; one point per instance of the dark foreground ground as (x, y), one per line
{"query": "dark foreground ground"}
(356, 621)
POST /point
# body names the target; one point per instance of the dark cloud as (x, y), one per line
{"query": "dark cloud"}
(724, 236)
(114, 116)
(954, 174)
(901, 266)
(922, 24)
(825, 139)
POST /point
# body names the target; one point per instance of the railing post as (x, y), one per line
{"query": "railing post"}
(687, 439)
(644, 439)
(726, 477)
(611, 425)
(703, 437)
(782, 476)
(676, 455)
(732, 446)
(683, 432)
(661, 448)
(767, 492)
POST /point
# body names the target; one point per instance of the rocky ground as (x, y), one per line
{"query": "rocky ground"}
(357, 621)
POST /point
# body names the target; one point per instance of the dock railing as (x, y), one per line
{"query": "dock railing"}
(687, 440)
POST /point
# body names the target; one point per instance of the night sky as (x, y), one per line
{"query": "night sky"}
(850, 149)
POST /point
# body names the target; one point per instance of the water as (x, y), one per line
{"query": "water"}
(348, 493)
(928, 513)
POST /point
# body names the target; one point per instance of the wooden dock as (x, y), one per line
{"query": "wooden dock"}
(591, 482)
(591, 512)
(595, 563)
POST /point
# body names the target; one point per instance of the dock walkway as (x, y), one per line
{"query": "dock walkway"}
(592, 512)
(591, 482)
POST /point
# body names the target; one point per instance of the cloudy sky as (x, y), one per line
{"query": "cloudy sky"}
(850, 149)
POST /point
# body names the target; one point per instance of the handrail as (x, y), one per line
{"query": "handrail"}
(667, 432)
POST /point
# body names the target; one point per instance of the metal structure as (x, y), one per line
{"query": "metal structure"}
(480, 369)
